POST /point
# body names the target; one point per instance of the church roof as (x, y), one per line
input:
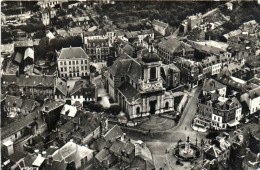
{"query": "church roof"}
(128, 91)
(126, 65)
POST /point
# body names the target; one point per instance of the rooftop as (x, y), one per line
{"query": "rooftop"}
(159, 23)
(73, 53)
(211, 84)
(32, 80)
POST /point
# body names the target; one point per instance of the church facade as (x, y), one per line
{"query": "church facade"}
(137, 85)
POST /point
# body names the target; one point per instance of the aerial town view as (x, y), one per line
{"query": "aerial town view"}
(121, 85)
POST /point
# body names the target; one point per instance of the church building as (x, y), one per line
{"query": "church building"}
(137, 85)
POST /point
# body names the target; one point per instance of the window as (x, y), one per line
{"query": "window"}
(153, 73)
(218, 118)
(61, 69)
(86, 67)
(73, 62)
(69, 62)
(82, 62)
(77, 62)
(166, 105)
(61, 63)
(138, 110)
(86, 62)
(82, 67)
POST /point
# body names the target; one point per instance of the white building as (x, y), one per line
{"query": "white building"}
(73, 62)
(160, 26)
(252, 98)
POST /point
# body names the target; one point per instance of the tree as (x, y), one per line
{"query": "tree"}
(40, 34)
(92, 69)
(43, 47)
(95, 107)
(114, 109)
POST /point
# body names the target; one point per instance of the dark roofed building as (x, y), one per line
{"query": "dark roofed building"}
(212, 86)
(133, 82)
(83, 128)
(36, 87)
(169, 49)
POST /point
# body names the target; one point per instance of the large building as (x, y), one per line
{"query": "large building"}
(218, 112)
(189, 71)
(160, 27)
(73, 62)
(137, 85)
(97, 49)
(36, 87)
(172, 48)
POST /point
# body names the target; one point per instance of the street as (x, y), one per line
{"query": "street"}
(160, 141)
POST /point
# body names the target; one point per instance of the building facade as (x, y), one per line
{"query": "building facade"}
(137, 85)
(73, 62)
(172, 48)
(218, 112)
(97, 49)
(37, 87)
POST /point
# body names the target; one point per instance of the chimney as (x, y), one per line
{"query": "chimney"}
(49, 160)
(123, 137)
(101, 127)
(83, 133)
(44, 154)
(9, 148)
(36, 151)
(46, 108)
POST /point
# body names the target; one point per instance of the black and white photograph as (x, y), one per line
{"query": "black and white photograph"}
(130, 85)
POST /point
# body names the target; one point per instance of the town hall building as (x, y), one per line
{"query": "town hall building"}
(137, 85)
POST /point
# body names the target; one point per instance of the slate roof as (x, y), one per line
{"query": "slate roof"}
(61, 85)
(32, 80)
(128, 91)
(99, 42)
(254, 93)
(174, 45)
(52, 105)
(102, 155)
(24, 43)
(230, 82)
(211, 84)
(11, 100)
(120, 146)
(159, 23)
(72, 53)
(28, 104)
(18, 125)
(213, 151)
(16, 156)
(113, 133)
(119, 66)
